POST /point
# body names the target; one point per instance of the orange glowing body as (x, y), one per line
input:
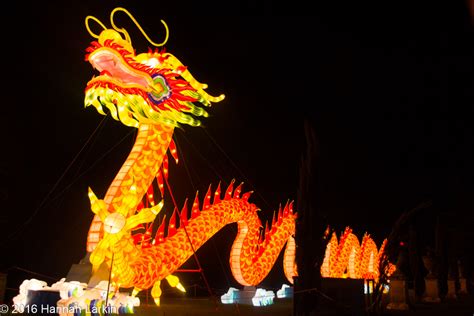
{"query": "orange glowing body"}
(251, 259)
(349, 258)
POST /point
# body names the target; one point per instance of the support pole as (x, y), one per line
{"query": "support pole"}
(108, 284)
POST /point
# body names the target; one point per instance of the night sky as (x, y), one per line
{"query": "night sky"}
(388, 91)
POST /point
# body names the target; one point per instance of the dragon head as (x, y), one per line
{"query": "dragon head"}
(150, 88)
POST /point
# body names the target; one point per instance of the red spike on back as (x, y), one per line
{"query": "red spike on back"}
(173, 151)
(228, 192)
(267, 229)
(160, 233)
(280, 215)
(195, 209)
(150, 190)
(150, 195)
(183, 219)
(382, 249)
(146, 238)
(291, 207)
(273, 227)
(172, 224)
(286, 210)
(238, 190)
(165, 166)
(159, 179)
(217, 194)
(247, 195)
(207, 199)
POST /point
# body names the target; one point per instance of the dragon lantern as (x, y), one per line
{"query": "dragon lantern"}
(154, 92)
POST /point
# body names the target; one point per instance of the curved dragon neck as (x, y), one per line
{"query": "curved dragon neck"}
(137, 173)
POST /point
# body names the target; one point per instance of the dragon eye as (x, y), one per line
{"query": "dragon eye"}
(161, 91)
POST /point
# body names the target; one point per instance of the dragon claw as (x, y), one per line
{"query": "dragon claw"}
(135, 291)
(156, 292)
(173, 281)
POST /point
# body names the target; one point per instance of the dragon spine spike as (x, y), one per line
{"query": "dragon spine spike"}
(280, 215)
(228, 192)
(172, 224)
(382, 249)
(160, 233)
(174, 152)
(286, 211)
(150, 196)
(217, 194)
(247, 195)
(183, 216)
(207, 199)
(346, 233)
(165, 167)
(161, 185)
(195, 209)
(150, 190)
(237, 191)
(261, 237)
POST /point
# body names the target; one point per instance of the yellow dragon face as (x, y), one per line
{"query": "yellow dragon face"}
(150, 88)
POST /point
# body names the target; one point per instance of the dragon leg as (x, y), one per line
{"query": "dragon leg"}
(173, 281)
(135, 291)
(156, 292)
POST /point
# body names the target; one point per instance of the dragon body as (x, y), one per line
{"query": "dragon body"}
(349, 258)
(155, 93)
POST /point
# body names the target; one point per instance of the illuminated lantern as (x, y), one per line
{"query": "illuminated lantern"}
(154, 92)
(348, 258)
